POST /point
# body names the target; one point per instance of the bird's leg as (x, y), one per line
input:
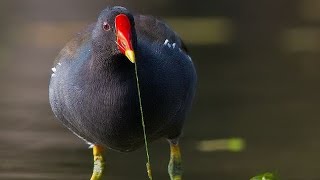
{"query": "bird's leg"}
(175, 167)
(99, 163)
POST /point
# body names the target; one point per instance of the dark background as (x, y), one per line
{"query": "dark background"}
(258, 66)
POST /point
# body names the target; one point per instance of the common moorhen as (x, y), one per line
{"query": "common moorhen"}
(93, 89)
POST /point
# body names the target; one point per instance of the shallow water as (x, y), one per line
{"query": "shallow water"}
(247, 88)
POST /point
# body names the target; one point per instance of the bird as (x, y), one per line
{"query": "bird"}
(94, 92)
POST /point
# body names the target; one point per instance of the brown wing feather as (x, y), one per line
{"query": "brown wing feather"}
(71, 47)
(156, 30)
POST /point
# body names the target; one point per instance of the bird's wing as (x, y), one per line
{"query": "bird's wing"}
(156, 30)
(70, 50)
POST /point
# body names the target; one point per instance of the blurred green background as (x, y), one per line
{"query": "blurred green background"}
(258, 65)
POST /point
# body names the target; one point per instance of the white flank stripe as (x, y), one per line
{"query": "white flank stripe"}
(166, 42)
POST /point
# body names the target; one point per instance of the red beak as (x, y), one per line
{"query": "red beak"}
(124, 36)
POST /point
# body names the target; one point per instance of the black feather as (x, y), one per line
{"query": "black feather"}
(94, 93)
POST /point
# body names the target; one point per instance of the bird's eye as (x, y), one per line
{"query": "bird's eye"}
(106, 26)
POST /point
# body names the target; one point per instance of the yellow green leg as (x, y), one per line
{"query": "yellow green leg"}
(99, 163)
(175, 167)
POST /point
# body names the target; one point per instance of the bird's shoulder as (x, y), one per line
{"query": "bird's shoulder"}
(156, 30)
(70, 50)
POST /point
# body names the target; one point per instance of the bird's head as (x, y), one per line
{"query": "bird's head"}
(114, 32)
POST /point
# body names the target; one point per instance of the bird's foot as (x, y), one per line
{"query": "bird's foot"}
(99, 163)
(175, 167)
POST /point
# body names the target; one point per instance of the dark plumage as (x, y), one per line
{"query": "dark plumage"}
(93, 88)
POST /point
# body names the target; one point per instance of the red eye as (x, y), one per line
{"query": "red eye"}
(106, 26)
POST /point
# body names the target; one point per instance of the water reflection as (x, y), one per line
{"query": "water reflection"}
(259, 80)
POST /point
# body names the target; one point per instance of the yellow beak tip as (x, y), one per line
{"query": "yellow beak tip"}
(130, 55)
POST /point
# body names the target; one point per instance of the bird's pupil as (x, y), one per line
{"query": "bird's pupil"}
(106, 26)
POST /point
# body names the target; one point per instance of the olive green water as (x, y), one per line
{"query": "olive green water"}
(258, 79)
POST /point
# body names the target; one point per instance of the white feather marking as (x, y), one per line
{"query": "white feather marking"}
(169, 45)
(173, 45)
(54, 70)
(166, 42)
(59, 64)
(53, 75)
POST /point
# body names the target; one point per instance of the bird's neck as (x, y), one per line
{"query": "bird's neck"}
(102, 56)
(109, 62)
